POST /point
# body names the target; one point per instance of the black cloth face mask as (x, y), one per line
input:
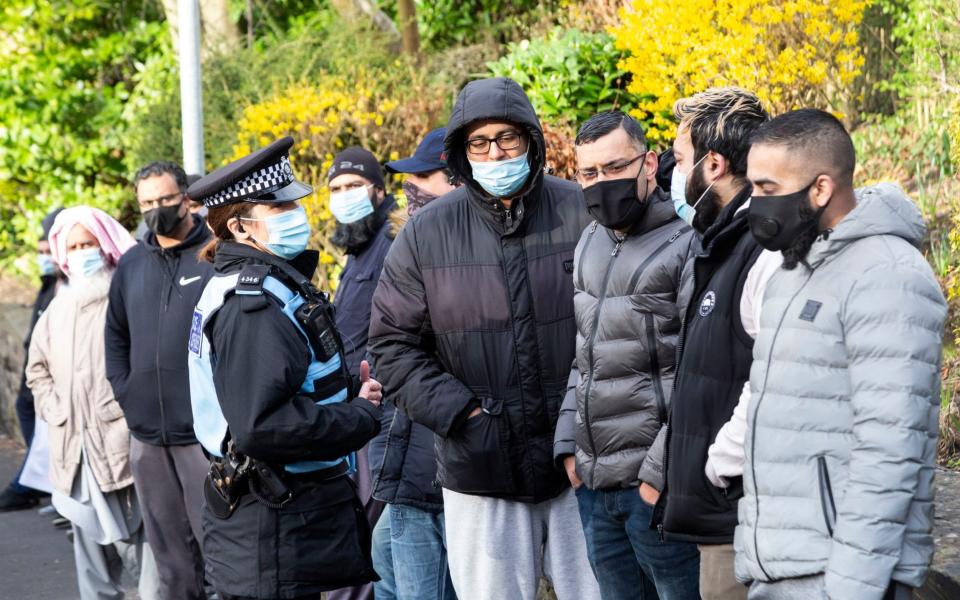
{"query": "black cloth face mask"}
(776, 221)
(614, 203)
(163, 220)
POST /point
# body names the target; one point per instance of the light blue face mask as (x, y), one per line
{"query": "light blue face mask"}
(502, 177)
(85, 263)
(352, 205)
(678, 193)
(46, 265)
(289, 233)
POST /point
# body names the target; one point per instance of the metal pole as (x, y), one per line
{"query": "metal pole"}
(191, 99)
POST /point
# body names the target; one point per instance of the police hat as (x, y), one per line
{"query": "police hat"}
(264, 176)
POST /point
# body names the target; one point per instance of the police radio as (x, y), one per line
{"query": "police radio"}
(317, 319)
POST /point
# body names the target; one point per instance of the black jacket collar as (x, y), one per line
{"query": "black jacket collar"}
(232, 256)
(730, 225)
(199, 234)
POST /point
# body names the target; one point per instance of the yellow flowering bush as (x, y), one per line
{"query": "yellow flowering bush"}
(325, 117)
(792, 53)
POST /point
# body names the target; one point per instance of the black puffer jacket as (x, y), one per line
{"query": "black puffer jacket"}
(475, 308)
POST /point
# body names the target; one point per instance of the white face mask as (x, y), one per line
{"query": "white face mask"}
(85, 263)
(351, 205)
(678, 193)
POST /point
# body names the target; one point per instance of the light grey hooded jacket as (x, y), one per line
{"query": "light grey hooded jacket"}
(841, 438)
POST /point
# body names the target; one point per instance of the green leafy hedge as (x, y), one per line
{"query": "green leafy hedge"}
(569, 75)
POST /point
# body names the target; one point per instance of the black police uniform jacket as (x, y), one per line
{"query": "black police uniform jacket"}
(308, 545)
(475, 308)
(152, 296)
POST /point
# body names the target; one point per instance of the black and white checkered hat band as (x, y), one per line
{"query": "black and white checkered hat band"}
(268, 179)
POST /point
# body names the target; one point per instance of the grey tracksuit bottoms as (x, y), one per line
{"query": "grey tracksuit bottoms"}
(501, 548)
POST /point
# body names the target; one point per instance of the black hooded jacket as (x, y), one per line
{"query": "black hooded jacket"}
(152, 296)
(475, 308)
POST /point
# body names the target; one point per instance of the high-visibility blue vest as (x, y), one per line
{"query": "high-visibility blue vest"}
(209, 423)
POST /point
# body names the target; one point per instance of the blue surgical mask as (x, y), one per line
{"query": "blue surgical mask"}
(678, 193)
(85, 263)
(289, 233)
(502, 177)
(46, 265)
(351, 205)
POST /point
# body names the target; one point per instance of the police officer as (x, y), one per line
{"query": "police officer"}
(273, 403)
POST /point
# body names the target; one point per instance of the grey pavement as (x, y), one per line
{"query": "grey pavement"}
(36, 559)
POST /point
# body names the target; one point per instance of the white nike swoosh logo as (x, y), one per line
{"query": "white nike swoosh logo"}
(185, 281)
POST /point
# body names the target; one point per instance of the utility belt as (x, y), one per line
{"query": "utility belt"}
(234, 476)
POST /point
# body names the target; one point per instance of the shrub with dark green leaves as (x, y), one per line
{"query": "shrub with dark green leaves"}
(569, 75)
(446, 23)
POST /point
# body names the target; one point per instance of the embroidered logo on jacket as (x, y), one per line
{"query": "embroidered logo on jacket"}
(707, 304)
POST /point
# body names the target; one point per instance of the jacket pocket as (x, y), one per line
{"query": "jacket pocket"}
(827, 504)
(475, 458)
(323, 537)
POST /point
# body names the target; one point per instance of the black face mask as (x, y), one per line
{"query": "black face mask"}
(614, 203)
(163, 220)
(776, 221)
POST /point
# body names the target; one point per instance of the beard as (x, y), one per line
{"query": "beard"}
(353, 237)
(709, 208)
(798, 249)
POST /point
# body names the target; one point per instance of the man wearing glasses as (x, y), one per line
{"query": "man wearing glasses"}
(152, 297)
(627, 278)
(473, 333)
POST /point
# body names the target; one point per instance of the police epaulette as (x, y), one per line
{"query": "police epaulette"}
(250, 281)
(250, 287)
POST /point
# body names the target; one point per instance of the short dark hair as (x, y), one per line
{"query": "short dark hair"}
(606, 122)
(815, 137)
(162, 167)
(722, 120)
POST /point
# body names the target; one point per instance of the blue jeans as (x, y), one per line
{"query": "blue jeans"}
(616, 524)
(413, 557)
(382, 557)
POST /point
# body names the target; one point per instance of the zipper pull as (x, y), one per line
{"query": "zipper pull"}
(660, 531)
(616, 249)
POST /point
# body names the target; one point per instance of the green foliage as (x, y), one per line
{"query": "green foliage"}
(446, 23)
(569, 75)
(68, 70)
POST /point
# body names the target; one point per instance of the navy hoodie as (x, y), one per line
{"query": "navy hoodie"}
(152, 297)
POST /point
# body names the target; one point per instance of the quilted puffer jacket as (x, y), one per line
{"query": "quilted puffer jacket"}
(626, 300)
(842, 433)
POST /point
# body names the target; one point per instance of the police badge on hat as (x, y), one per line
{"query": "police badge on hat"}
(264, 176)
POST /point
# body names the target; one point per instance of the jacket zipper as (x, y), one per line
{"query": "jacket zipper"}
(826, 494)
(655, 369)
(753, 430)
(166, 300)
(590, 374)
(676, 381)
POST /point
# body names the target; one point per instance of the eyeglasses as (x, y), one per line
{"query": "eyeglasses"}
(509, 140)
(168, 200)
(614, 168)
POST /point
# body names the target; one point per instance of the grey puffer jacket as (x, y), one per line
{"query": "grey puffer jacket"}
(842, 434)
(628, 320)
